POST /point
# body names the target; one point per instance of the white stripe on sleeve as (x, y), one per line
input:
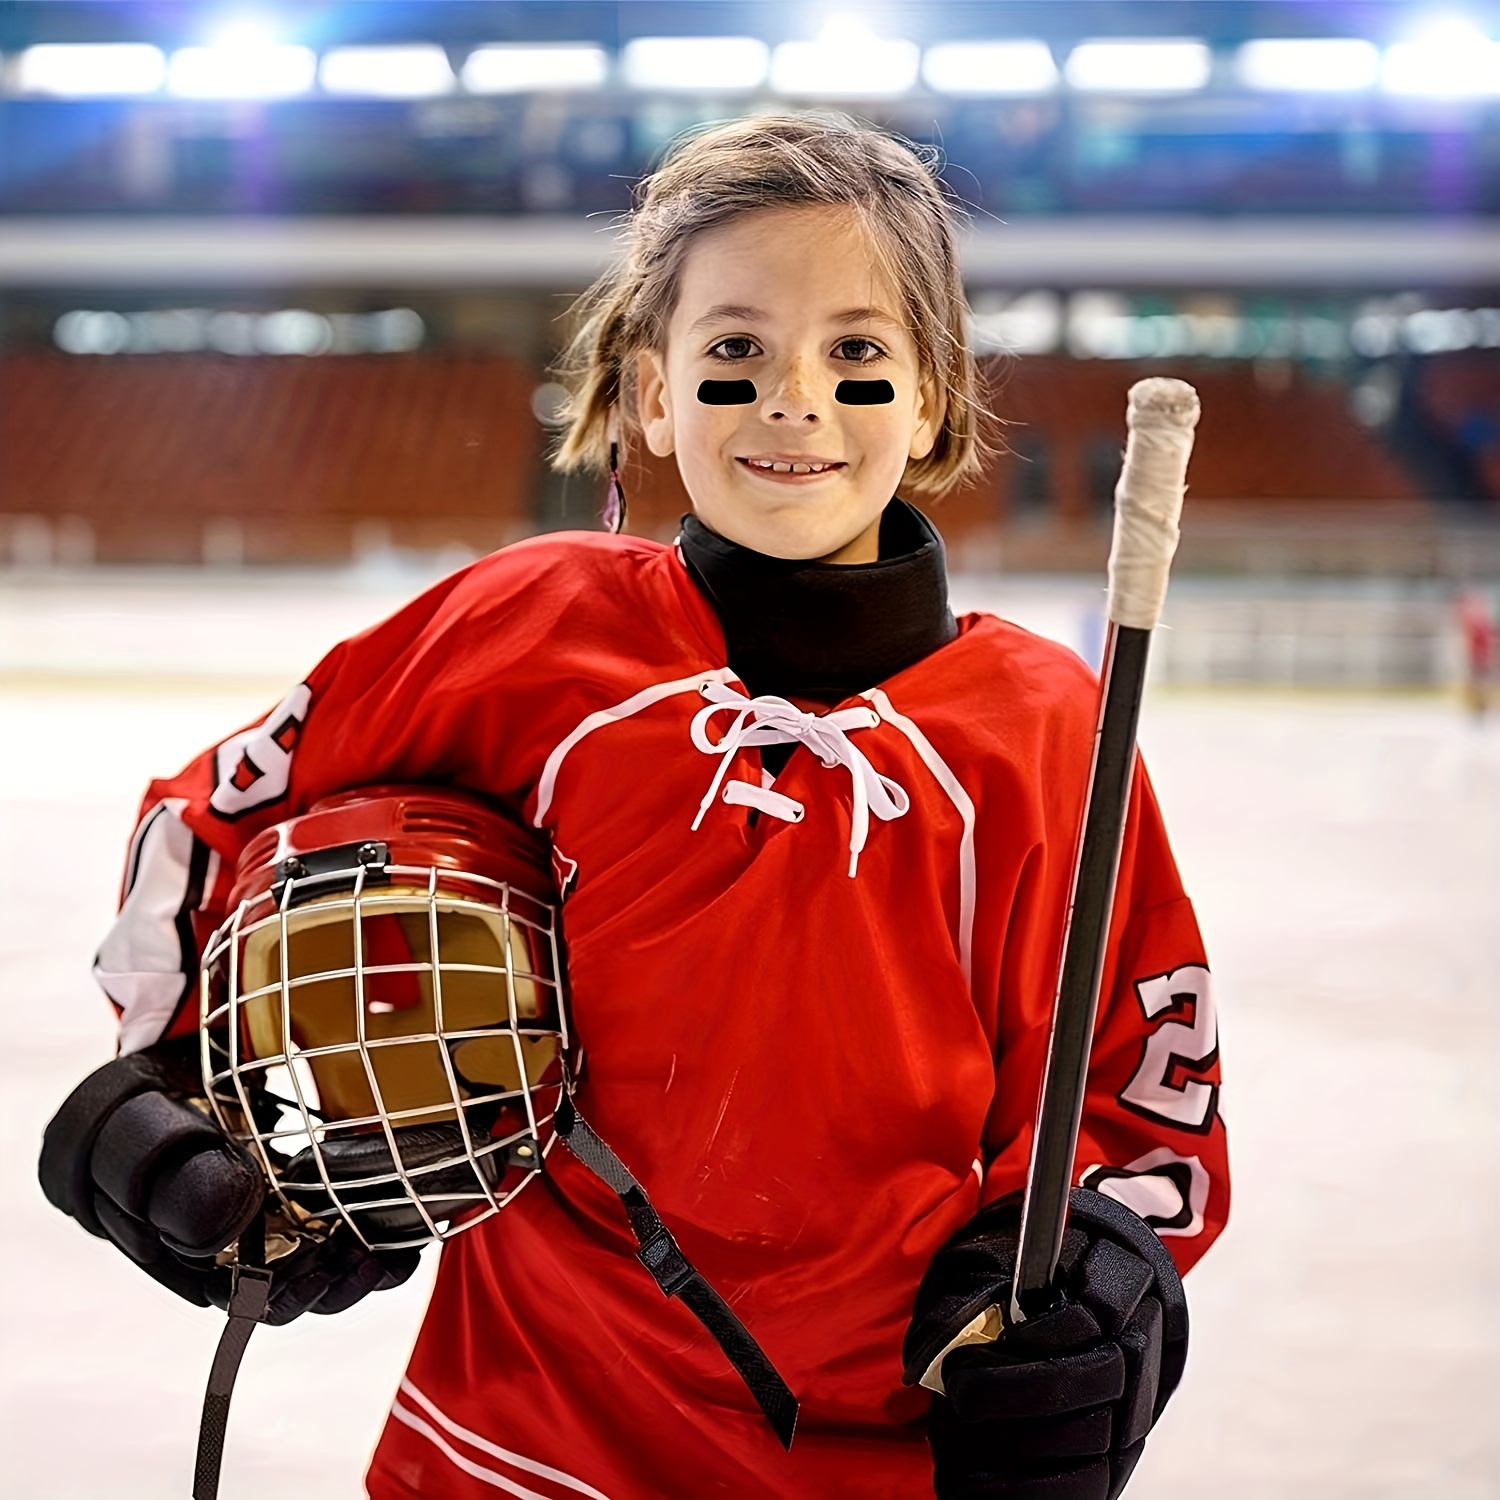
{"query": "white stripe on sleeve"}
(141, 963)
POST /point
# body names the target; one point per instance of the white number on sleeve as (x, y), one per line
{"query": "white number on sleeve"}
(255, 767)
(1160, 1090)
(1168, 1191)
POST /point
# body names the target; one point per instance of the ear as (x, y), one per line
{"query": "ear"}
(929, 414)
(654, 403)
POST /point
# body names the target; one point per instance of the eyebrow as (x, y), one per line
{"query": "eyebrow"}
(728, 312)
(735, 312)
(866, 315)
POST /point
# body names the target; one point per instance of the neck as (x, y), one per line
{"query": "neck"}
(824, 630)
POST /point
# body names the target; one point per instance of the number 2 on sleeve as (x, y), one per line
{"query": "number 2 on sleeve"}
(1162, 1088)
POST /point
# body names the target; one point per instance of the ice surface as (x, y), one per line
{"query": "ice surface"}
(1344, 854)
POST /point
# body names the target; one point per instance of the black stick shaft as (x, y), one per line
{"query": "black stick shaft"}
(1122, 679)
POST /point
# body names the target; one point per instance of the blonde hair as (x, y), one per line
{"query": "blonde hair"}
(778, 161)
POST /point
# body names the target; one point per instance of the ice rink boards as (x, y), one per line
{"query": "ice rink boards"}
(1344, 856)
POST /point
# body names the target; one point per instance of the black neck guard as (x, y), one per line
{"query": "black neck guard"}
(826, 630)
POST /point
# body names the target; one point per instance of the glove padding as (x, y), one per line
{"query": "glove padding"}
(132, 1162)
(1059, 1406)
(136, 1165)
(323, 1276)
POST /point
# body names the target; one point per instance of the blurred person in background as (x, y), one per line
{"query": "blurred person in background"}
(1477, 622)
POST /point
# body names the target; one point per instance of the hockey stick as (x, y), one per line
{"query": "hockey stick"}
(1148, 501)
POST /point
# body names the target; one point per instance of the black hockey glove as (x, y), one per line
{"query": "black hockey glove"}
(136, 1165)
(1059, 1406)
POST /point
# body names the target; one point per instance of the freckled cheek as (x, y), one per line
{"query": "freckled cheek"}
(877, 436)
(708, 431)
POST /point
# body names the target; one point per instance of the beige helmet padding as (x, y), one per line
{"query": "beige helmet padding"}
(400, 1004)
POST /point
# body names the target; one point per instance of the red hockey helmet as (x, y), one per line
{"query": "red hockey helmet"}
(382, 1019)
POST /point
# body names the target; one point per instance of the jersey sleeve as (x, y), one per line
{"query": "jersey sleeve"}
(394, 704)
(1152, 1134)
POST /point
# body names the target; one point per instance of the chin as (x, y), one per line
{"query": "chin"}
(820, 539)
(793, 524)
(798, 543)
(800, 533)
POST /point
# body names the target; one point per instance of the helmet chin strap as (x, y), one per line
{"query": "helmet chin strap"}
(676, 1275)
(249, 1304)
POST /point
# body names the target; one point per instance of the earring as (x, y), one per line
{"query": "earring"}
(614, 496)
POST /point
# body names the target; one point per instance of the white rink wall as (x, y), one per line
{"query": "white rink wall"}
(1344, 854)
(238, 624)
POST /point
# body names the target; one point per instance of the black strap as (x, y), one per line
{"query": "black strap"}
(249, 1302)
(675, 1275)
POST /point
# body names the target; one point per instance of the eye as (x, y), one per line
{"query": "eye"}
(859, 351)
(736, 347)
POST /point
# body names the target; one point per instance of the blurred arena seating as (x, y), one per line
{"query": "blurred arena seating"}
(284, 289)
(204, 458)
(1273, 432)
(1461, 395)
(194, 458)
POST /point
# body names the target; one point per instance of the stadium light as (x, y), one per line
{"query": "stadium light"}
(845, 60)
(1029, 324)
(1449, 60)
(524, 69)
(1308, 64)
(701, 63)
(1168, 65)
(1019, 67)
(73, 70)
(84, 332)
(243, 31)
(264, 71)
(413, 72)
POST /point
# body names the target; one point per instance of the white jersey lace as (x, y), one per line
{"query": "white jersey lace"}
(769, 720)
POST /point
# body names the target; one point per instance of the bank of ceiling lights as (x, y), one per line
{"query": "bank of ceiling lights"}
(1450, 60)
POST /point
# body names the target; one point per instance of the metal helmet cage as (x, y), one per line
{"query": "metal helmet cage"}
(382, 1016)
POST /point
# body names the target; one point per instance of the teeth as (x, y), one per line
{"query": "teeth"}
(770, 466)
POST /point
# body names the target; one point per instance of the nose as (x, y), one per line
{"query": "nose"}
(794, 398)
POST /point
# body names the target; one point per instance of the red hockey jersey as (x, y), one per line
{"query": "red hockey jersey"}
(814, 1009)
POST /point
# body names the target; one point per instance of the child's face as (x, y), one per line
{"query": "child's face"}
(792, 301)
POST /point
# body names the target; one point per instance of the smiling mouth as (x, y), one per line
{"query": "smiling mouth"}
(790, 466)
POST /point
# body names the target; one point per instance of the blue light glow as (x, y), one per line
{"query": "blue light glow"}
(420, 71)
(86, 70)
(535, 67)
(1140, 66)
(977, 68)
(1447, 59)
(707, 63)
(1309, 64)
(846, 60)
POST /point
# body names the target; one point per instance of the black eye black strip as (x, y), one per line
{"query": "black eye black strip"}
(727, 392)
(864, 393)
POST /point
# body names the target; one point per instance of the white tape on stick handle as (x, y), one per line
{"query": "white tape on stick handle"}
(1148, 499)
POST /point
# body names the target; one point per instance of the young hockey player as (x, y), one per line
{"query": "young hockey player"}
(813, 838)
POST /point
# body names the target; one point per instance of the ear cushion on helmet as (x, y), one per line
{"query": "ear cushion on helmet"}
(445, 1190)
